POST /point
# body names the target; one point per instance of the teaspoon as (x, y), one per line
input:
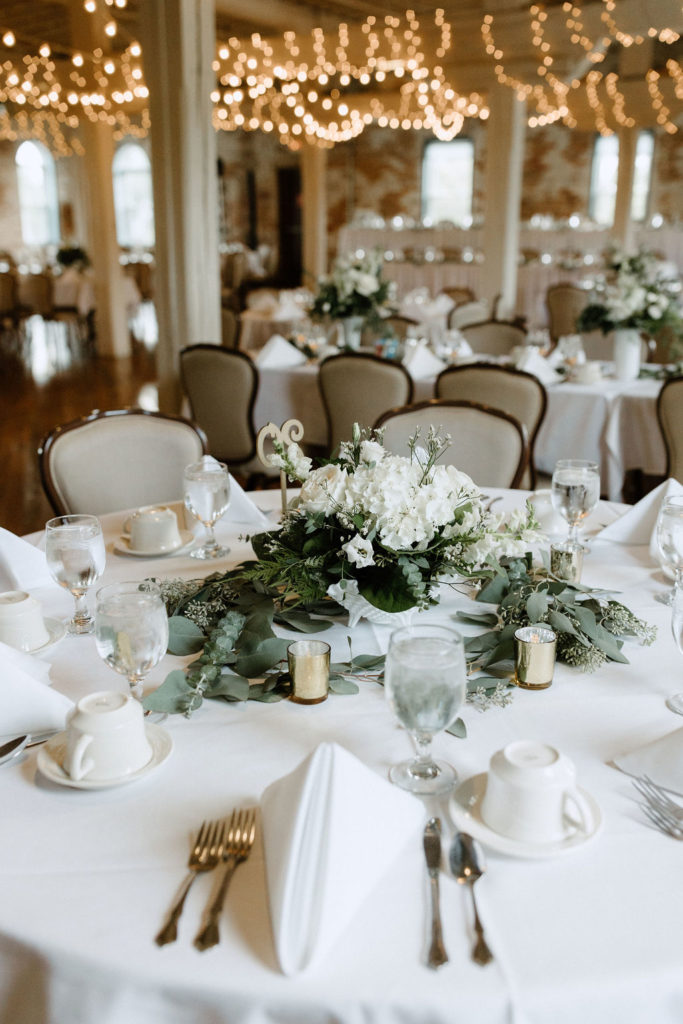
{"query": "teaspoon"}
(467, 864)
(12, 748)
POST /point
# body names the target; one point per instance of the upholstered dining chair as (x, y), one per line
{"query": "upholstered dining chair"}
(221, 385)
(118, 459)
(514, 391)
(400, 325)
(459, 293)
(475, 312)
(357, 387)
(564, 301)
(494, 337)
(488, 444)
(230, 328)
(670, 417)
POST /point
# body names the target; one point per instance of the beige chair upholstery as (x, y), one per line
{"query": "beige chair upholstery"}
(487, 444)
(514, 391)
(469, 313)
(670, 416)
(109, 461)
(494, 337)
(221, 388)
(564, 301)
(400, 325)
(230, 328)
(459, 294)
(357, 388)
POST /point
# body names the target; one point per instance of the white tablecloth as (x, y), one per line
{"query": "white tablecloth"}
(88, 876)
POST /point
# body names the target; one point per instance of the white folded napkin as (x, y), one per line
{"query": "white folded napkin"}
(427, 310)
(555, 358)
(421, 362)
(22, 565)
(27, 704)
(289, 307)
(531, 360)
(331, 829)
(278, 352)
(243, 510)
(661, 760)
(638, 525)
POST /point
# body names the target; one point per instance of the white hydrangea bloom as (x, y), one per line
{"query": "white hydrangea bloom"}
(359, 551)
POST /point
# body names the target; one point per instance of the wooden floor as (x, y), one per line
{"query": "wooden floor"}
(45, 380)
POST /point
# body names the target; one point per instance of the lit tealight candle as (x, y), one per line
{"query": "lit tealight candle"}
(309, 669)
(534, 657)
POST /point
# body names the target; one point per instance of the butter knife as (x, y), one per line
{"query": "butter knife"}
(432, 847)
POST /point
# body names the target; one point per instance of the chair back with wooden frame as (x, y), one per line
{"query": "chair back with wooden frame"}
(459, 293)
(564, 301)
(221, 385)
(400, 325)
(494, 337)
(119, 459)
(670, 418)
(357, 387)
(514, 391)
(488, 444)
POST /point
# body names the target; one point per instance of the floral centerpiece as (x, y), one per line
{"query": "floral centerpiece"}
(378, 532)
(354, 291)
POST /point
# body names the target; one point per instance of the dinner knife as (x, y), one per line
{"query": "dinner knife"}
(432, 846)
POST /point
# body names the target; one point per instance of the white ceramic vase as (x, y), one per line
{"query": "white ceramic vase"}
(350, 331)
(358, 608)
(627, 353)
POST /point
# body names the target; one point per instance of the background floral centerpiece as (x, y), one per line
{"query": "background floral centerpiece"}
(383, 527)
(355, 290)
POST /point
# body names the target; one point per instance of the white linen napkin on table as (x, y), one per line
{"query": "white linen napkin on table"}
(330, 829)
(27, 704)
(638, 525)
(278, 352)
(661, 760)
(422, 362)
(22, 565)
(242, 509)
(531, 360)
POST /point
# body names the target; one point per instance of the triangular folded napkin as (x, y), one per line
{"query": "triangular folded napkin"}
(422, 362)
(22, 565)
(243, 510)
(531, 360)
(661, 760)
(27, 704)
(331, 829)
(638, 525)
(278, 352)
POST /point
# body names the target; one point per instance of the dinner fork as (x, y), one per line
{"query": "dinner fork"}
(241, 832)
(205, 855)
(658, 797)
(664, 821)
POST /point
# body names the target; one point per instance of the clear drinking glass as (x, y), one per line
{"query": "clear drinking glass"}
(670, 541)
(207, 496)
(74, 547)
(575, 492)
(424, 680)
(131, 629)
(675, 701)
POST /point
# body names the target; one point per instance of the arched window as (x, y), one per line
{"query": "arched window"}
(642, 175)
(447, 181)
(133, 201)
(603, 188)
(38, 202)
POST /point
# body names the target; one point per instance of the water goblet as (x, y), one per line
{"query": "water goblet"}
(74, 548)
(131, 629)
(670, 542)
(207, 496)
(424, 681)
(675, 701)
(575, 493)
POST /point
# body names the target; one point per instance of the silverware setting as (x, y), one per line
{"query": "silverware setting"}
(432, 848)
(467, 864)
(236, 849)
(204, 856)
(664, 813)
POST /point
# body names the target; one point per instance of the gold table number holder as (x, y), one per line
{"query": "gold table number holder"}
(291, 430)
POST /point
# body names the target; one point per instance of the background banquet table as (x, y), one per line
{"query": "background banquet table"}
(611, 422)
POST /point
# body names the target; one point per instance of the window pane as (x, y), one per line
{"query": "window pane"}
(603, 191)
(37, 186)
(642, 175)
(133, 200)
(447, 181)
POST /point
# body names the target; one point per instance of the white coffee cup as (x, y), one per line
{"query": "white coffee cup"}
(588, 373)
(153, 529)
(105, 737)
(548, 517)
(21, 621)
(531, 795)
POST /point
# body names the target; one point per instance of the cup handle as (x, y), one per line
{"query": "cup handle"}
(586, 820)
(76, 766)
(125, 529)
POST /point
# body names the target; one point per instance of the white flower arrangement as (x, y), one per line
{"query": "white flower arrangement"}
(354, 288)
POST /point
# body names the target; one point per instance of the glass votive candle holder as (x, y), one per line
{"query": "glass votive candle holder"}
(535, 648)
(566, 562)
(309, 669)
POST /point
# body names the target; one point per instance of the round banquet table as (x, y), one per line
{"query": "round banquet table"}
(592, 935)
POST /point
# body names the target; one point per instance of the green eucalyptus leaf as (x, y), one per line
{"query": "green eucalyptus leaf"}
(561, 623)
(478, 618)
(492, 592)
(229, 686)
(341, 685)
(299, 619)
(537, 606)
(386, 589)
(172, 696)
(458, 729)
(266, 655)
(368, 661)
(184, 636)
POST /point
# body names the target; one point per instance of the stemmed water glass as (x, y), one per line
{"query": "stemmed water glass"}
(575, 493)
(675, 701)
(670, 541)
(131, 629)
(424, 680)
(207, 496)
(74, 548)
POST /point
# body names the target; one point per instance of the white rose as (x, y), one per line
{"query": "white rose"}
(371, 451)
(359, 552)
(365, 284)
(323, 489)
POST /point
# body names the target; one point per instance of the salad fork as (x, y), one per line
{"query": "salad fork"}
(241, 833)
(658, 797)
(664, 821)
(205, 855)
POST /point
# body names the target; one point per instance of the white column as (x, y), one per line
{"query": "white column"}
(178, 42)
(314, 209)
(503, 181)
(622, 228)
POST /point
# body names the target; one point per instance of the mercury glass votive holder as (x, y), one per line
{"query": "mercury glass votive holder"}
(535, 648)
(566, 562)
(309, 669)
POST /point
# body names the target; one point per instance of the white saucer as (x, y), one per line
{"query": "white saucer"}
(465, 808)
(51, 756)
(56, 629)
(122, 547)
